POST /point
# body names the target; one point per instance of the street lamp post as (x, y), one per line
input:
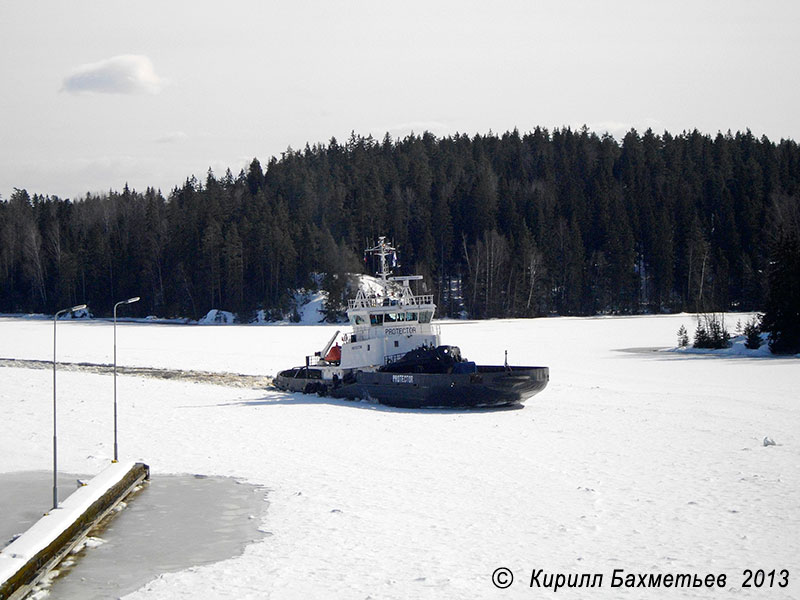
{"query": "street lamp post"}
(55, 437)
(128, 301)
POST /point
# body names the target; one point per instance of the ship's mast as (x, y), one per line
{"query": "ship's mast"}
(383, 250)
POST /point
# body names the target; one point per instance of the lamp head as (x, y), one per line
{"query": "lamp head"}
(79, 307)
(132, 300)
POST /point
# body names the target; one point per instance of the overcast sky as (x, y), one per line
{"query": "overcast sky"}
(97, 93)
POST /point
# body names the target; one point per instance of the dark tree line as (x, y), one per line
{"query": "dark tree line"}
(562, 222)
(782, 316)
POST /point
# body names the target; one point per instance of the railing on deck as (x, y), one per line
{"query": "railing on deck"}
(374, 302)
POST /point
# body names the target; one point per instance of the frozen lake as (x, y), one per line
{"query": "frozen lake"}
(651, 462)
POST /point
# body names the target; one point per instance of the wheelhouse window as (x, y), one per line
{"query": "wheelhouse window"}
(358, 320)
(376, 319)
(411, 316)
(425, 316)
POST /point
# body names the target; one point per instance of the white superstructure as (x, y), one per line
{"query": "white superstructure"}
(386, 324)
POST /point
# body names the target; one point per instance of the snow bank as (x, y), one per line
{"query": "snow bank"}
(368, 284)
(311, 306)
(218, 317)
(737, 348)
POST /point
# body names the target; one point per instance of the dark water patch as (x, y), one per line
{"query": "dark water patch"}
(170, 524)
(25, 496)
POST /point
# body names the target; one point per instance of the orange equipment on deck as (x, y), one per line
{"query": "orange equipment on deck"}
(334, 354)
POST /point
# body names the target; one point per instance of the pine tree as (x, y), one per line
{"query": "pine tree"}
(683, 337)
(711, 332)
(782, 316)
(752, 333)
(588, 225)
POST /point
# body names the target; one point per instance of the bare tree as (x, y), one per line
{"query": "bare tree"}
(534, 267)
(32, 260)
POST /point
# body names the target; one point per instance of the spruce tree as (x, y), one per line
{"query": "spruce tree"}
(782, 317)
(683, 337)
(752, 334)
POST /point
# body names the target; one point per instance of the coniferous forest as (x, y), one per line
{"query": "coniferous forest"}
(548, 222)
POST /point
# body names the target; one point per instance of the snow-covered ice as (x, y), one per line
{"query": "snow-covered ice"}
(647, 461)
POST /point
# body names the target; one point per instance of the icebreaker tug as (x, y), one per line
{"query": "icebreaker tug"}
(394, 355)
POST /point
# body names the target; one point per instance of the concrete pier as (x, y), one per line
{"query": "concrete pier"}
(32, 555)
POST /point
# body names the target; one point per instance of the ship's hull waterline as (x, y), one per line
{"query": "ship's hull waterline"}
(489, 386)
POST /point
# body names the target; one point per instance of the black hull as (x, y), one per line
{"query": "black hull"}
(489, 386)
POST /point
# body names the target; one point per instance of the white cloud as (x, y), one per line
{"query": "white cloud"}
(125, 74)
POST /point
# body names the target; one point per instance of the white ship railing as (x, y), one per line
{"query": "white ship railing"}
(375, 302)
